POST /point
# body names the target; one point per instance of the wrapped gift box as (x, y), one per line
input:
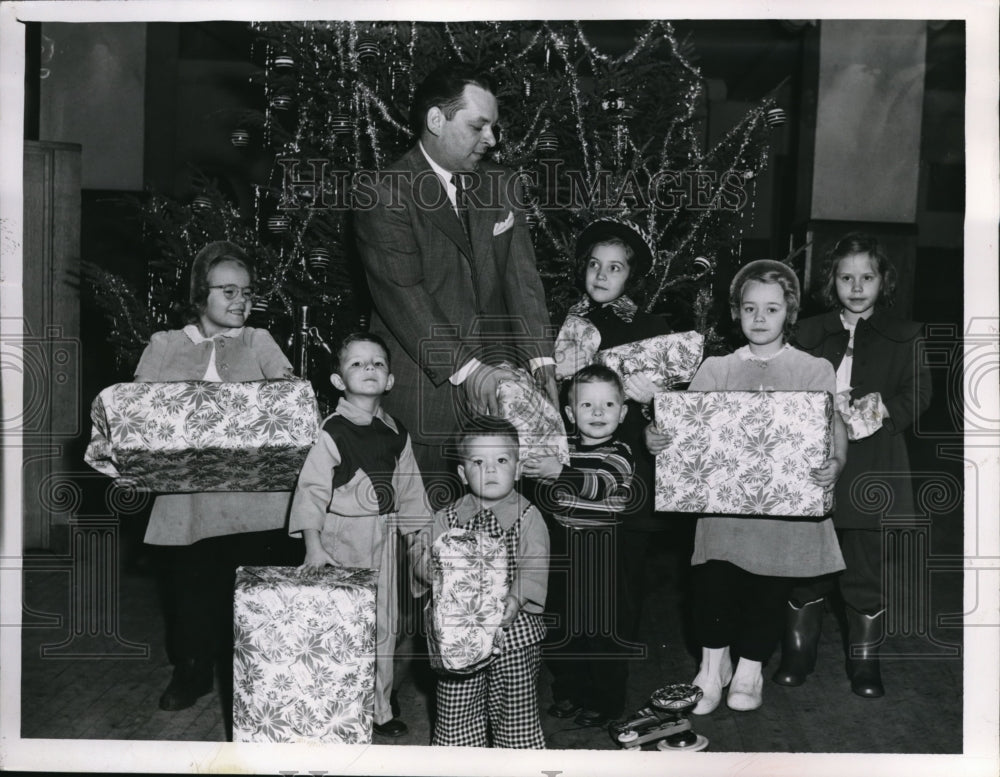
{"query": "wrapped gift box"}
(540, 428)
(469, 583)
(196, 436)
(743, 452)
(666, 359)
(303, 655)
(862, 417)
(576, 346)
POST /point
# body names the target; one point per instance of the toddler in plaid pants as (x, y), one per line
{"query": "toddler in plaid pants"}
(502, 696)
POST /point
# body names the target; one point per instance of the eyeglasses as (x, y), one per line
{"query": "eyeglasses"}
(231, 290)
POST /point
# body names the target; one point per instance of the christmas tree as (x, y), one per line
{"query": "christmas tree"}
(591, 135)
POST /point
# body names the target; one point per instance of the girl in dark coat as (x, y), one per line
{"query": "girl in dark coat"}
(881, 392)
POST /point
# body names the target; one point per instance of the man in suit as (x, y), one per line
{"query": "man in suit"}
(451, 270)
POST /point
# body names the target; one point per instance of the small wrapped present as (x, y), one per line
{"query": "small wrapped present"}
(743, 452)
(540, 428)
(303, 655)
(576, 345)
(196, 436)
(862, 417)
(469, 583)
(666, 359)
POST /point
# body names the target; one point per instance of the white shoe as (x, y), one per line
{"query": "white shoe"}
(746, 692)
(714, 674)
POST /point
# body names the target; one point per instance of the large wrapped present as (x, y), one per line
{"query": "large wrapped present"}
(469, 583)
(665, 359)
(195, 436)
(576, 345)
(743, 452)
(303, 655)
(540, 428)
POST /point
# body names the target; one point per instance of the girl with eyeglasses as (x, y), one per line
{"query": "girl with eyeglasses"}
(205, 536)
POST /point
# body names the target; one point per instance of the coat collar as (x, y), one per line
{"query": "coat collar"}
(887, 325)
(361, 417)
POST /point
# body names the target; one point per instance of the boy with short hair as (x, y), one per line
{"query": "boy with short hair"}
(359, 485)
(503, 694)
(586, 500)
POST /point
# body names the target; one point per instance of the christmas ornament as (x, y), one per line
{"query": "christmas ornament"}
(278, 223)
(240, 138)
(368, 50)
(202, 202)
(748, 174)
(776, 117)
(281, 102)
(342, 123)
(259, 305)
(527, 87)
(613, 102)
(532, 218)
(702, 265)
(319, 259)
(548, 142)
(284, 61)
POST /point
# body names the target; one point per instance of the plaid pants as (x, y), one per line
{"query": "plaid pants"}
(504, 695)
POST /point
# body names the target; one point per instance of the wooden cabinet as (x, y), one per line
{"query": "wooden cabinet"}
(53, 414)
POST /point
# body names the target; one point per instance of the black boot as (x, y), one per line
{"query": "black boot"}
(864, 635)
(192, 678)
(798, 646)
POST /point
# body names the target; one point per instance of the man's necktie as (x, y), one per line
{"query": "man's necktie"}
(461, 183)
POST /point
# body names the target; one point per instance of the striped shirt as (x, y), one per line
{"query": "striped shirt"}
(594, 489)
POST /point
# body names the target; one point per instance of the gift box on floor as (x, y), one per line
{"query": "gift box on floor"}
(540, 428)
(469, 583)
(196, 436)
(303, 655)
(666, 359)
(743, 452)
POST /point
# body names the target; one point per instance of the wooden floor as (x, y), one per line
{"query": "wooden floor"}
(93, 664)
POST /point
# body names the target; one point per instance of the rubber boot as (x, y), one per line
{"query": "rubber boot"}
(714, 674)
(864, 634)
(746, 691)
(798, 645)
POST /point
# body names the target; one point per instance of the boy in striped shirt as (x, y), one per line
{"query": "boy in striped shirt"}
(583, 503)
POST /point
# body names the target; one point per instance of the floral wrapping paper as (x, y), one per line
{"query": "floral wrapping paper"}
(576, 346)
(468, 583)
(666, 359)
(540, 428)
(303, 655)
(743, 452)
(862, 417)
(194, 436)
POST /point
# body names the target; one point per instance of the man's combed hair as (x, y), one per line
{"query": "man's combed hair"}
(443, 87)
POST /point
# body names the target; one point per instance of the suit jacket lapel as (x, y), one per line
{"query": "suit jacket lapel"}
(431, 191)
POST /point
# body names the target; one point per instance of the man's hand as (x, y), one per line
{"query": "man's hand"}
(481, 388)
(545, 379)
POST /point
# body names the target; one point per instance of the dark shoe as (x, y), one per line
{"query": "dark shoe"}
(592, 718)
(564, 709)
(798, 645)
(192, 678)
(865, 634)
(394, 705)
(392, 728)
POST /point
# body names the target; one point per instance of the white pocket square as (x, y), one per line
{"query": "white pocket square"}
(502, 226)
